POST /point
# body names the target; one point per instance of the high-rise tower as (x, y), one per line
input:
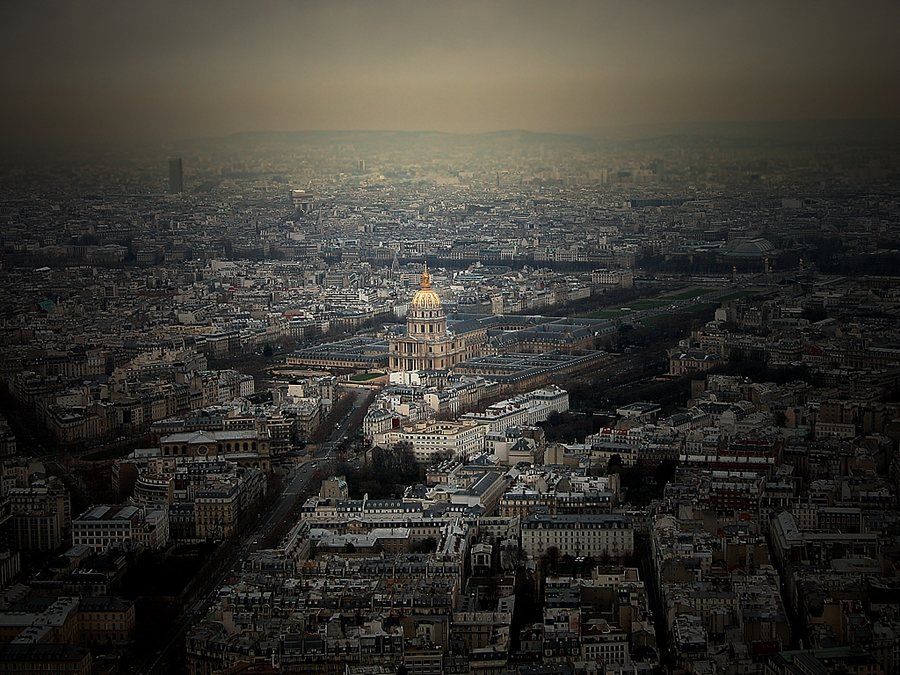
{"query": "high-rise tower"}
(176, 176)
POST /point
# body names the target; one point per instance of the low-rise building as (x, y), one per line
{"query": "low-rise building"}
(434, 440)
(593, 535)
(525, 410)
(43, 658)
(106, 620)
(105, 525)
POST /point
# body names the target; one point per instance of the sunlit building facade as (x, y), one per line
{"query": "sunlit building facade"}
(428, 344)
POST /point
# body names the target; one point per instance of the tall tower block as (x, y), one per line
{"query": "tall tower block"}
(176, 176)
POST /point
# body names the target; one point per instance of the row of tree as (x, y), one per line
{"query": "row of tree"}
(386, 475)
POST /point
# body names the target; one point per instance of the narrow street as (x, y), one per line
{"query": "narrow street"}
(296, 488)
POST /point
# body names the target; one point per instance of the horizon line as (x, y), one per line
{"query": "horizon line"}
(614, 132)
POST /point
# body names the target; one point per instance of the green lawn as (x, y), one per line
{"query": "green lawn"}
(605, 314)
(648, 304)
(698, 310)
(365, 377)
(107, 453)
(743, 293)
(664, 300)
(684, 293)
(634, 305)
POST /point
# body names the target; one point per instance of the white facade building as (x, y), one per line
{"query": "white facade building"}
(523, 411)
(578, 535)
(433, 440)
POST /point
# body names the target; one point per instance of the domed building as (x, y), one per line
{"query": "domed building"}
(428, 344)
(425, 316)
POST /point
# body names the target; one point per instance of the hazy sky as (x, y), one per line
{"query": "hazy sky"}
(123, 69)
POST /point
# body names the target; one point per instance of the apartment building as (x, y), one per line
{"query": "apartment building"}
(105, 525)
(592, 535)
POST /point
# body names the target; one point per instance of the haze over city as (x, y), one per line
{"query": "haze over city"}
(83, 71)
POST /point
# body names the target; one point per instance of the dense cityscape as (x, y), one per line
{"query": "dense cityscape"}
(484, 337)
(424, 403)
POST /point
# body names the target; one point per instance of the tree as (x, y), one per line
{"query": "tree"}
(665, 472)
(396, 464)
(552, 554)
(428, 545)
(588, 564)
(615, 464)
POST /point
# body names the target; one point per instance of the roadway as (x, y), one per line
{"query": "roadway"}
(297, 484)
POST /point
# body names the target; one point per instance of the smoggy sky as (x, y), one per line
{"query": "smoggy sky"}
(123, 69)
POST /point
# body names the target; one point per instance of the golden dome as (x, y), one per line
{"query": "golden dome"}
(425, 297)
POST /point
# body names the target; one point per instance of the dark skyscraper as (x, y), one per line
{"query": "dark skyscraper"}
(176, 176)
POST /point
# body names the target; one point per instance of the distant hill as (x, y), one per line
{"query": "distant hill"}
(756, 133)
(722, 134)
(424, 139)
